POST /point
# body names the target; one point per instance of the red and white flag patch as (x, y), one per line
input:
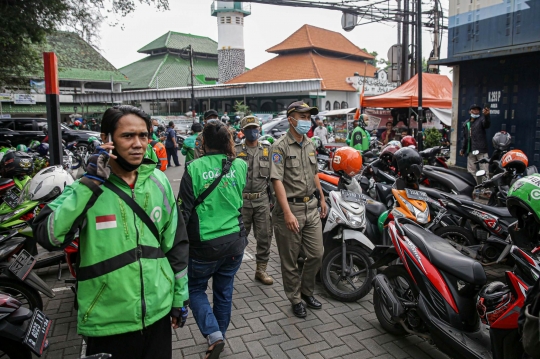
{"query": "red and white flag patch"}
(106, 222)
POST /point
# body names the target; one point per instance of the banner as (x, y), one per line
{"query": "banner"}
(37, 86)
(5, 97)
(24, 99)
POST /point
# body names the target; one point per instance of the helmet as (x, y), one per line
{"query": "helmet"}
(47, 184)
(409, 164)
(408, 141)
(77, 123)
(43, 149)
(394, 143)
(33, 144)
(316, 141)
(348, 160)
(387, 155)
(501, 140)
(16, 163)
(516, 160)
(22, 148)
(382, 219)
(45, 130)
(523, 197)
(493, 301)
(268, 138)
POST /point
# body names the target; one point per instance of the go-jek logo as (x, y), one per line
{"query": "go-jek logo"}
(216, 172)
(156, 214)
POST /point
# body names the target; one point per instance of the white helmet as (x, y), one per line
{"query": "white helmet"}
(47, 184)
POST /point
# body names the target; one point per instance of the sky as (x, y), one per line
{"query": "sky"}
(267, 26)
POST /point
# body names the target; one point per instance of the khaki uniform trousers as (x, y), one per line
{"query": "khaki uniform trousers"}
(258, 216)
(471, 166)
(310, 239)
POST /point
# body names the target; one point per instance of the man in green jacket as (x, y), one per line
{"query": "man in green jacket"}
(359, 138)
(188, 148)
(132, 274)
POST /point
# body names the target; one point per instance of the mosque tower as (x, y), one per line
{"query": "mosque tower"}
(230, 20)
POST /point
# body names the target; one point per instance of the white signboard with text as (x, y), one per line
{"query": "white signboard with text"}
(24, 99)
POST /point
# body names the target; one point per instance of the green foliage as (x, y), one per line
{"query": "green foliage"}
(433, 137)
(26, 23)
(241, 109)
(376, 62)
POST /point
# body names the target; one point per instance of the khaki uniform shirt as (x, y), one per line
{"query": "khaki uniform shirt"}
(199, 151)
(295, 165)
(258, 161)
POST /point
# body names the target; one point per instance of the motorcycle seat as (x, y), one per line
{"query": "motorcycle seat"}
(444, 256)
(501, 212)
(5, 181)
(465, 176)
(375, 208)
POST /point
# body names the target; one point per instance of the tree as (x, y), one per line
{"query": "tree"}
(376, 62)
(433, 137)
(26, 23)
(241, 109)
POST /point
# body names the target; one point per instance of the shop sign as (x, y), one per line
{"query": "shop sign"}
(24, 99)
(5, 97)
(373, 85)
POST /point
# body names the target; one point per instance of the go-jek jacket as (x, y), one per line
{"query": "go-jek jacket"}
(215, 227)
(127, 280)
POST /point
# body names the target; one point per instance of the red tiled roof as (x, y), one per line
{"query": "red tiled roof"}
(308, 65)
(312, 37)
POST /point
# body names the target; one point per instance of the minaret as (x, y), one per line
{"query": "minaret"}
(230, 20)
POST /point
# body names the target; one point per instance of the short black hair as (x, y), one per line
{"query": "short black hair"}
(109, 122)
(171, 123)
(196, 127)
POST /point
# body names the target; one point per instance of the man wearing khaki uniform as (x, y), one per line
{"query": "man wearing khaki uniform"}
(210, 115)
(256, 208)
(296, 220)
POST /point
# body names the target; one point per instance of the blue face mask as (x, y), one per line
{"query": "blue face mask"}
(475, 116)
(155, 128)
(303, 127)
(251, 134)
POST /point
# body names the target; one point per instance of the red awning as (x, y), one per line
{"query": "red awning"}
(436, 93)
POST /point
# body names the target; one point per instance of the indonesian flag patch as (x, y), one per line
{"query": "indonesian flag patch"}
(105, 222)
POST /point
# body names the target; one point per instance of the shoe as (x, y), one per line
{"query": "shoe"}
(262, 276)
(311, 301)
(299, 310)
(215, 351)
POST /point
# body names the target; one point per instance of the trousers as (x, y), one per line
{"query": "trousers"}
(310, 239)
(471, 166)
(258, 216)
(174, 153)
(152, 342)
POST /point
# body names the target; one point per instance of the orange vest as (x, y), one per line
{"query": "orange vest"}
(161, 153)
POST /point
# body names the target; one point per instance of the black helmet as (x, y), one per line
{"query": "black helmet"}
(409, 164)
(16, 163)
(493, 301)
(501, 140)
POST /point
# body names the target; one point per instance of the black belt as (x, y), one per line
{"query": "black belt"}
(300, 199)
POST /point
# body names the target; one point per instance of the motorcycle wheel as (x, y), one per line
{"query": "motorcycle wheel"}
(357, 284)
(10, 349)
(457, 235)
(29, 297)
(405, 289)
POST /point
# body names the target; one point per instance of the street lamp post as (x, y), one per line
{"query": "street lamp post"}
(419, 72)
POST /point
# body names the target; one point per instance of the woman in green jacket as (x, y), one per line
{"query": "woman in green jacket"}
(217, 237)
(188, 148)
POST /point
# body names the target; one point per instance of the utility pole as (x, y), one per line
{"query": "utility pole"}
(192, 81)
(413, 37)
(419, 71)
(436, 30)
(405, 43)
(399, 19)
(112, 90)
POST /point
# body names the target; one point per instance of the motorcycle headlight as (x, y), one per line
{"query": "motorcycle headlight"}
(355, 221)
(422, 217)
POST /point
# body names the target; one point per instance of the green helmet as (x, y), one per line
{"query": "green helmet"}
(267, 138)
(382, 219)
(92, 139)
(34, 144)
(523, 198)
(22, 148)
(316, 141)
(6, 149)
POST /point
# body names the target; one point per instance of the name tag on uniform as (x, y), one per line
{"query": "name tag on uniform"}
(291, 157)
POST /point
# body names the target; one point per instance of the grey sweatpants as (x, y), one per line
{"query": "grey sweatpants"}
(471, 166)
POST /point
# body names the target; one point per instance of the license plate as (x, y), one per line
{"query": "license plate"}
(37, 332)
(22, 265)
(352, 197)
(11, 198)
(418, 195)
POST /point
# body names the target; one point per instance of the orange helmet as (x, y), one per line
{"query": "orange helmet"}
(348, 160)
(515, 159)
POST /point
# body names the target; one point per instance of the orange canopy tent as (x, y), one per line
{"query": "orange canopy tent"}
(436, 93)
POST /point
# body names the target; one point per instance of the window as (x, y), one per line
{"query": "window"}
(242, 21)
(7, 125)
(222, 19)
(238, 19)
(328, 106)
(228, 19)
(41, 125)
(24, 125)
(283, 125)
(344, 105)
(336, 105)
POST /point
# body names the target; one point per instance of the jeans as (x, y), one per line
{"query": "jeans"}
(174, 153)
(212, 321)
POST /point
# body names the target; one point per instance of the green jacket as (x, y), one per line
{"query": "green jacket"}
(188, 148)
(217, 221)
(359, 139)
(127, 280)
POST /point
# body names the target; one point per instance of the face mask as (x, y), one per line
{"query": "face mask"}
(252, 134)
(155, 128)
(475, 116)
(303, 127)
(123, 163)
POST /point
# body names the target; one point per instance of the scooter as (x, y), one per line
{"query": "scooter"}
(434, 156)
(433, 292)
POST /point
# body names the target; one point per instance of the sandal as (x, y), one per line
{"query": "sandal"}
(216, 350)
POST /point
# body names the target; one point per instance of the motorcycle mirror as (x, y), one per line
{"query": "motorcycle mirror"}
(480, 173)
(475, 152)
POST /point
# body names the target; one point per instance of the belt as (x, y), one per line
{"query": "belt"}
(252, 196)
(300, 199)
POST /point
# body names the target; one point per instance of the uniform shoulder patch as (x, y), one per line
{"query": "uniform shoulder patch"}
(277, 157)
(265, 152)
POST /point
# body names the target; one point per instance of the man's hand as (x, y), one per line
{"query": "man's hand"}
(97, 169)
(292, 223)
(323, 208)
(461, 153)
(179, 317)
(485, 111)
